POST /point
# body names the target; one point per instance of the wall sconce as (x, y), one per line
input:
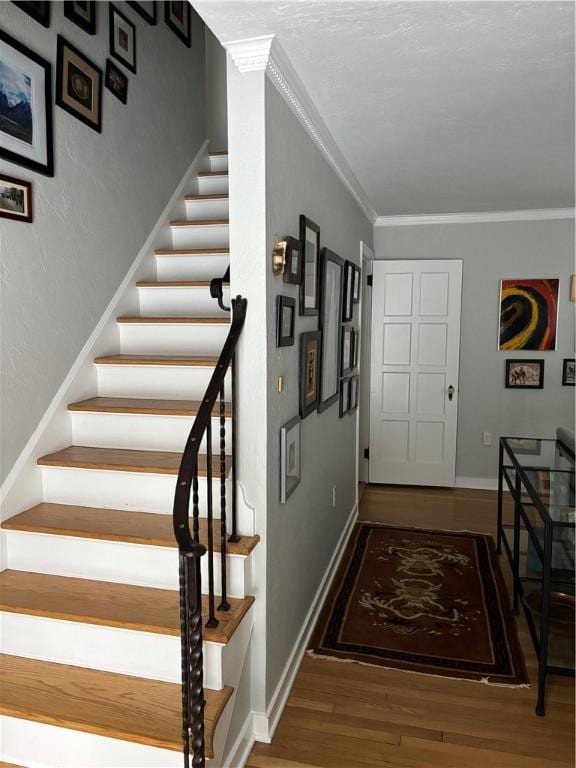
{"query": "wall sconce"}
(573, 288)
(279, 257)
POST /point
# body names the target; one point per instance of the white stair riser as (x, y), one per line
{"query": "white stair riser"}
(203, 267)
(186, 382)
(219, 162)
(38, 745)
(213, 185)
(173, 338)
(207, 209)
(212, 236)
(116, 561)
(192, 301)
(141, 431)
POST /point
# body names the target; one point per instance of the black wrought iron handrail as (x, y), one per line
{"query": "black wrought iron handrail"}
(191, 549)
(216, 289)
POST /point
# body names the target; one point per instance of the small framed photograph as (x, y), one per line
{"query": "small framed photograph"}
(78, 85)
(347, 350)
(357, 285)
(82, 13)
(569, 372)
(524, 374)
(15, 199)
(290, 449)
(310, 285)
(310, 343)
(344, 396)
(148, 11)
(332, 268)
(355, 349)
(347, 302)
(293, 263)
(26, 110)
(40, 11)
(177, 14)
(353, 404)
(285, 316)
(122, 39)
(116, 81)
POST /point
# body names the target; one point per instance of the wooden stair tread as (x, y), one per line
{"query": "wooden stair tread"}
(201, 362)
(199, 223)
(192, 198)
(174, 284)
(105, 703)
(148, 528)
(142, 405)
(126, 460)
(191, 251)
(151, 319)
(219, 153)
(108, 604)
(212, 173)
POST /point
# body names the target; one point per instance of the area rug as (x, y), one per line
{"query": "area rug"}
(423, 601)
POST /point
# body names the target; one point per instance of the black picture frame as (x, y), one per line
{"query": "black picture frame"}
(347, 303)
(310, 283)
(183, 32)
(293, 261)
(354, 390)
(40, 11)
(114, 51)
(142, 10)
(344, 397)
(64, 99)
(12, 191)
(285, 304)
(310, 351)
(355, 349)
(46, 165)
(347, 349)
(116, 81)
(71, 13)
(568, 376)
(356, 290)
(330, 323)
(519, 374)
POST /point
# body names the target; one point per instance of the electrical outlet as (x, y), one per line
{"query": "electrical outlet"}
(334, 496)
(486, 438)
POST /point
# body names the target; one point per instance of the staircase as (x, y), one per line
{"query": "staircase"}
(90, 672)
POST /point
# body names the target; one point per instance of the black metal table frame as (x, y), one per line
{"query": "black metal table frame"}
(540, 641)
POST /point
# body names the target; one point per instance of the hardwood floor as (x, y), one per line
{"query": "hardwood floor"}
(351, 716)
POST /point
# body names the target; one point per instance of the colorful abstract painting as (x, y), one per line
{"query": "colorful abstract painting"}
(528, 314)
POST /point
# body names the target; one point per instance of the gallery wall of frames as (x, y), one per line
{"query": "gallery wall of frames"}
(329, 289)
(26, 98)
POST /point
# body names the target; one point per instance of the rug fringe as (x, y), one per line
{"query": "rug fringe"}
(483, 680)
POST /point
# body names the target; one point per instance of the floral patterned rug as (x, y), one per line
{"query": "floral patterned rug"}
(423, 601)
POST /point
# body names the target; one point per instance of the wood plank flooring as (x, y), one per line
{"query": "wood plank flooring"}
(351, 716)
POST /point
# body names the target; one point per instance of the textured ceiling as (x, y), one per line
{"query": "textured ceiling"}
(439, 107)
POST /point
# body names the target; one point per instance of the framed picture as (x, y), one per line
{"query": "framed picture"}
(524, 374)
(116, 81)
(356, 291)
(310, 343)
(355, 348)
(309, 288)
(148, 11)
(40, 11)
(15, 199)
(332, 268)
(285, 316)
(290, 448)
(78, 85)
(293, 264)
(25, 107)
(82, 13)
(353, 404)
(528, 314)
(122, 38)
(344, 396)
(569, 372)
(348, 304)
(347, 350)
(178, 17)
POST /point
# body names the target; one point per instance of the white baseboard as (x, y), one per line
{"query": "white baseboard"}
(264, 723)
(477, 483)
(240, 751)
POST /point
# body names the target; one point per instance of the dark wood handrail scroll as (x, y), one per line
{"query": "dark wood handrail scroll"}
(190, 548)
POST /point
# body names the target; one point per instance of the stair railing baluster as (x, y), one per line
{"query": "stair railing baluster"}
(212, 620)
(224, 604)
(195, 504)
(234, 537)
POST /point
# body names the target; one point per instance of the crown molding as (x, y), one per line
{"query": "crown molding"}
(484, 217)
(265, 54)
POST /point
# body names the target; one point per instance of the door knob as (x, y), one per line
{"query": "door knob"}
(451, 391)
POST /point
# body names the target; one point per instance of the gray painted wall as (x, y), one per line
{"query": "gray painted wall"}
(490, 252)
(93, 216)
(302, 534)
(216, 106)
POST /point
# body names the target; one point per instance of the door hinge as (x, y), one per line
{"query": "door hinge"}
(366, 453)
(370, 280)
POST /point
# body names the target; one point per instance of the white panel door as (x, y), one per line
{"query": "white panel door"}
(414, 371)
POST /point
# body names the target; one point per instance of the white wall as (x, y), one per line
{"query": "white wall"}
(490, 252)
(93, 216)
(216, 106)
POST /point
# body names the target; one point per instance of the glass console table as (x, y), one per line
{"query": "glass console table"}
(540, 547)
